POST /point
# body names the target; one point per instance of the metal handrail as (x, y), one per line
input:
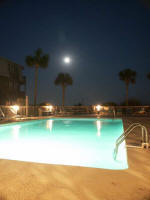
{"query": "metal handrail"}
(126, 131)
(145, 139)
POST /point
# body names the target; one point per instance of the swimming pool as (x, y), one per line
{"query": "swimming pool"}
(78, 142)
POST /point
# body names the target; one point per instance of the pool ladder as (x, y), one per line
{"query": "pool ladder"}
(144, 133)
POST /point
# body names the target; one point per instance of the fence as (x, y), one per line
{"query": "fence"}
(105, 111)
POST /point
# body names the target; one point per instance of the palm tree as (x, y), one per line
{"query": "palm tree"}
(64, 80)
(148, 75)
(37, 60)
(128, 76)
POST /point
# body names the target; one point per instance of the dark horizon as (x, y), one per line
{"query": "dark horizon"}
(101, 37)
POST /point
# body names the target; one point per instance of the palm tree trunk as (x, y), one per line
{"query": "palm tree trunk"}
(63, 95)
(35, 84)
(127, 89)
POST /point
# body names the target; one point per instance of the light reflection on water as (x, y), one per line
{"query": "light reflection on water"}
(15, 131)
(98, 124)
(49, 124)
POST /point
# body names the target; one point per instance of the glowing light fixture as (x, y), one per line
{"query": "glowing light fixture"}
(15, 109)
(49, 108)
(98, 107)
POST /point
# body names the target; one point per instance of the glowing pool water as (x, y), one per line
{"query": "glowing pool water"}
(78, 142)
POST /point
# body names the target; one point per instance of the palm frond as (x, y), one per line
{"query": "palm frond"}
(128, 76)
(30, 61)
(63, 79)
(44, 61)
(38, 59)
(68, 79)
(59, 79)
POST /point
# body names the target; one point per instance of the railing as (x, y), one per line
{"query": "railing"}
(106, 111)
(144, 133)
(111, 111)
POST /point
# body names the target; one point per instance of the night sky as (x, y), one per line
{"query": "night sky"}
(101, 36)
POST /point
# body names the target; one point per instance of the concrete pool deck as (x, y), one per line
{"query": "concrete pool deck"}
(33, 181)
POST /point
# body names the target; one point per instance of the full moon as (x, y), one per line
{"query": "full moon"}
(67, 60)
